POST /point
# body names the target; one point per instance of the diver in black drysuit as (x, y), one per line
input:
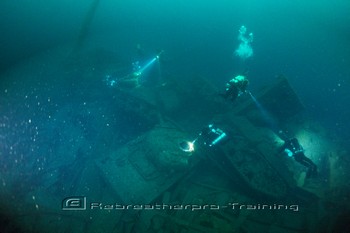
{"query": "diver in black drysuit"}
(235, 87)
(293, 148)
(209, 136)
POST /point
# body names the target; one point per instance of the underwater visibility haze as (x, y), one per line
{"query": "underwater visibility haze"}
(132, 116)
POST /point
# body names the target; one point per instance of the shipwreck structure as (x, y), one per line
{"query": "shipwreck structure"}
(145, 183)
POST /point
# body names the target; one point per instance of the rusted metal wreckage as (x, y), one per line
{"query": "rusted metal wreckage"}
(150, 172)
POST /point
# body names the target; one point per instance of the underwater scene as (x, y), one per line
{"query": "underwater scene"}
(174, 116)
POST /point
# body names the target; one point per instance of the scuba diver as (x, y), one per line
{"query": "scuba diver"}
(292, 148)
(235, 87)
(128, 81)
(134, 79)
(209, 136)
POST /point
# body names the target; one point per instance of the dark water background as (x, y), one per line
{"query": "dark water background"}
(306, 41)
(56, 114)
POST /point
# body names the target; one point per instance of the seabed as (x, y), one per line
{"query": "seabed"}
(118, 151)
